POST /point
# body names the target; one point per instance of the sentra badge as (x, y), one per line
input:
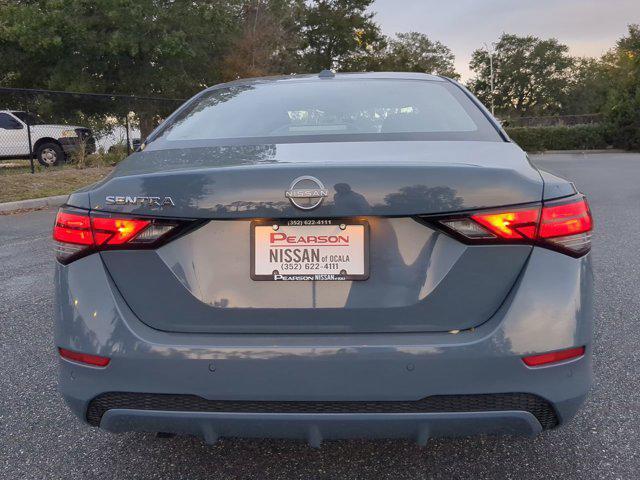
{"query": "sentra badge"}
(138, 200)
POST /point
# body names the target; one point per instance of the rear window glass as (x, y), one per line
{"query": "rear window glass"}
(330, 110)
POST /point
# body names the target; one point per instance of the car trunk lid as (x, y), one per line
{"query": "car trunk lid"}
(420, 279)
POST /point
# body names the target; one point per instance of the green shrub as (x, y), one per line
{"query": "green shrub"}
(115, 154)
(79, 156)
(624, 121)
(579, 137)
(101, 158)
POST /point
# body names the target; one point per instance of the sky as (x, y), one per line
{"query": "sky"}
(587, 27)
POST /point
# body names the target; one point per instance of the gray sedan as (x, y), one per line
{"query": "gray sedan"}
(326, 256)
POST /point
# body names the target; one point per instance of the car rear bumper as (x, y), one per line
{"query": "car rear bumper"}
(316, 428)
(346, 373)
(450, 415)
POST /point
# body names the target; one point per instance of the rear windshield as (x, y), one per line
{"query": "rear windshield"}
(329, 110)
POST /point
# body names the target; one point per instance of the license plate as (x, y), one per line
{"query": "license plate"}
(303, 250)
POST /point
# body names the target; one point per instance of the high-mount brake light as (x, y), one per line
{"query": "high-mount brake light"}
(78, 232)
(563, 225)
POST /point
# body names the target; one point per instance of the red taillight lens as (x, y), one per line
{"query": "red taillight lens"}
(515, 225)
(78, 233)
(93, 360)
(73, 228)
(116, 231)
(562, 225)
(566, 219)
(553, 357)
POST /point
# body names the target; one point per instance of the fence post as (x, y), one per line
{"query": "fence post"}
(126, 124)
(33, 170)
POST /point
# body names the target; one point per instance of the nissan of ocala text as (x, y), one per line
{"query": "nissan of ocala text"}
(326, 256)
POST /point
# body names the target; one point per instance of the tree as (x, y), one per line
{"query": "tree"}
(588, 86)
(530, 75)
(150, 47)
(268, 42)
(624, 101)
(415, 52)
(147, 47)
(335, 30)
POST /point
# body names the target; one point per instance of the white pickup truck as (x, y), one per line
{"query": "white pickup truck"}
(51, 144)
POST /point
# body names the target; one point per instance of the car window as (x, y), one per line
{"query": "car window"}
(341, 109)
(8, 122)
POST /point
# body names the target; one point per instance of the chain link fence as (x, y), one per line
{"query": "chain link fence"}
(52, 128)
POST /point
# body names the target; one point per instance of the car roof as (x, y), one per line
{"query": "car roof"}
(329, 75)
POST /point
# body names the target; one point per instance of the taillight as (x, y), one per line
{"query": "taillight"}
(512, 224)
(78, 232)
(116, 231)
(567, 226)
(561, 225)
(72, 234)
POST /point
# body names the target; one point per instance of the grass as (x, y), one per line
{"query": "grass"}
(17, 183)
(10, 167)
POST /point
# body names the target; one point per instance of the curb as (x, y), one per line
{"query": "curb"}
(587, 152)
(34, 203)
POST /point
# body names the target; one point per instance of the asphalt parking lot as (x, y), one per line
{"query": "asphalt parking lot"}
(40, 439)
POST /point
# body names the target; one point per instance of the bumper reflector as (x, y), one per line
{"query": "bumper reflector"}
(93, 360)
(553, 357)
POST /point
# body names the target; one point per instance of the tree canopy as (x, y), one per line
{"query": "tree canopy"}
(588, 86)
(268, 40)
(174, 48)
(150, 47)
(623, 110)
(407, 52)
(334, 30)
(530, 75)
